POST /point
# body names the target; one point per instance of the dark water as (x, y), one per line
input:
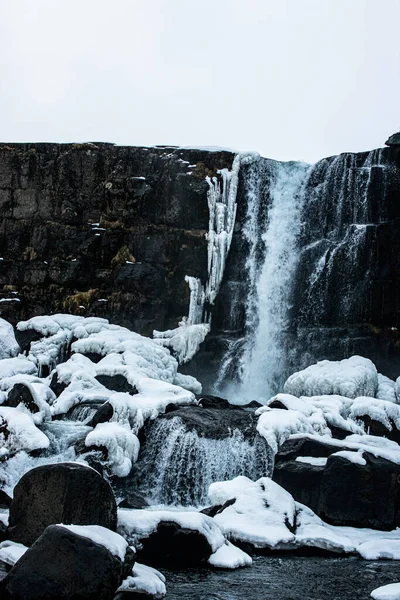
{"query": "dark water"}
(287, 578)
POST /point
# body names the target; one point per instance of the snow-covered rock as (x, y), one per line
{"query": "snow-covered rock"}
(122, 446)
(387, 592)
(143, 580)
(229, 556)
(19, 432)
(8, 344)
(351, 377)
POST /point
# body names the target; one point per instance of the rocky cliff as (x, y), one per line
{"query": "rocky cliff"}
(99, 229)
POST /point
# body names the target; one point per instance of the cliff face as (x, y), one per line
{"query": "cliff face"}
(98, 229)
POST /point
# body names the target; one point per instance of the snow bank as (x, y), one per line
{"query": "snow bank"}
(18, 432)
(387, 592)
(135, 525)
(351, 377)
(380, 549)
(8, 344)
(229, 556)
(144, 580)
(16, 366)
(114, 543)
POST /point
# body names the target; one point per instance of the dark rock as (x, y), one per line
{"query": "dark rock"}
(102, 415)
(5, 500)
(57, 386)
(133, 500)
(361, 496)
(211, 511)
(216, 423)
(305, 446)
(302, 480)
(95, 357)
(117, 383)
(376, 428)
(25, 338)
(63, 565)
(207, 401)
(60, 493)
(3, 532)
(21, 394)
(393, 140)
(171, 545)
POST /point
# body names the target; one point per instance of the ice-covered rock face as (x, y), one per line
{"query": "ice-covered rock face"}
(351, 377)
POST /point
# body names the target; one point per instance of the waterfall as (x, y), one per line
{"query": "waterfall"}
(310, 238)
(176, 466)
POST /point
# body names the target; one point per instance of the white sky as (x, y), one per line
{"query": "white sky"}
(293, 79)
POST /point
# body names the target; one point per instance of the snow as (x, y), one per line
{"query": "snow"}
(379, 410)
(184, 341)
(386, 389)
(387, 592)
(351, 377)
(114, 543)
(21, 432)
(144, 580)
(16, 366)
(276, 425)
(259, 515)
(122, 446)
(380, 549)
(8, 344)
(354, 457)
(312, 460)
(229, 556)
(11, 552)
(135, 525)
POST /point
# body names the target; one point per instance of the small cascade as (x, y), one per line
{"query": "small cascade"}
(82, 413)
(176, 466)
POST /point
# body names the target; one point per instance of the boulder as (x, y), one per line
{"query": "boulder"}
(117, 383)
(360, 495)
(60, 493)
(306, 446)
(302, 480)
(64, 565)
(393, 140)
(207, 401)
(102, 415)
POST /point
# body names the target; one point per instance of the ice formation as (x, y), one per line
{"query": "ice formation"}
(8, 344)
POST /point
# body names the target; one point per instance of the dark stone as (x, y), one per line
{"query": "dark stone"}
(60, 493)
(216, 423)
(21, 394)
(103, 414)
(305, 446)
(133, 500)
(3, 532)
(25, 338)
(63, 565)
(117, 383)
(361, 496)
(95, 357)
(393, 140)
(302, 480)
(57, 386)
(207, 401)
(172, 545)
(376, 428)
(211, 511)
(5, 500)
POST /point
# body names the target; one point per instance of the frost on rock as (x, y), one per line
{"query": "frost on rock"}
(8, 344)
(229, 556)
(136, 525)
(144, 580)
(351, 377)
(11, 552)
(114, 542)
(386, 413)
(122, 446)
(184, 341)
(387, 592)
(19, 432)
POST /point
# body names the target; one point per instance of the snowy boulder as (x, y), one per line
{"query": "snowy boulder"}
(164, 538)
(65, 563)
(307, 445)
(19, 432)
(121, 445)
(351, 377)
(263, 513)
(60, 493)
(35, 397)
(360, 490)
(302, 479)
(380, 417)
(144, 582)
(8, 344)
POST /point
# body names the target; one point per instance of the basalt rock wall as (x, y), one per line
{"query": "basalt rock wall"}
(104, 230)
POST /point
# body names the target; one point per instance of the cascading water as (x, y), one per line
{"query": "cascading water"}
(177, 466)
(309, 233)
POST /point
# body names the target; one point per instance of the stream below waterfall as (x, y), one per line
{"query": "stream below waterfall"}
(285, 578)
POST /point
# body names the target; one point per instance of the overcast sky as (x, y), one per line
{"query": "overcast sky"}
(293, 79)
